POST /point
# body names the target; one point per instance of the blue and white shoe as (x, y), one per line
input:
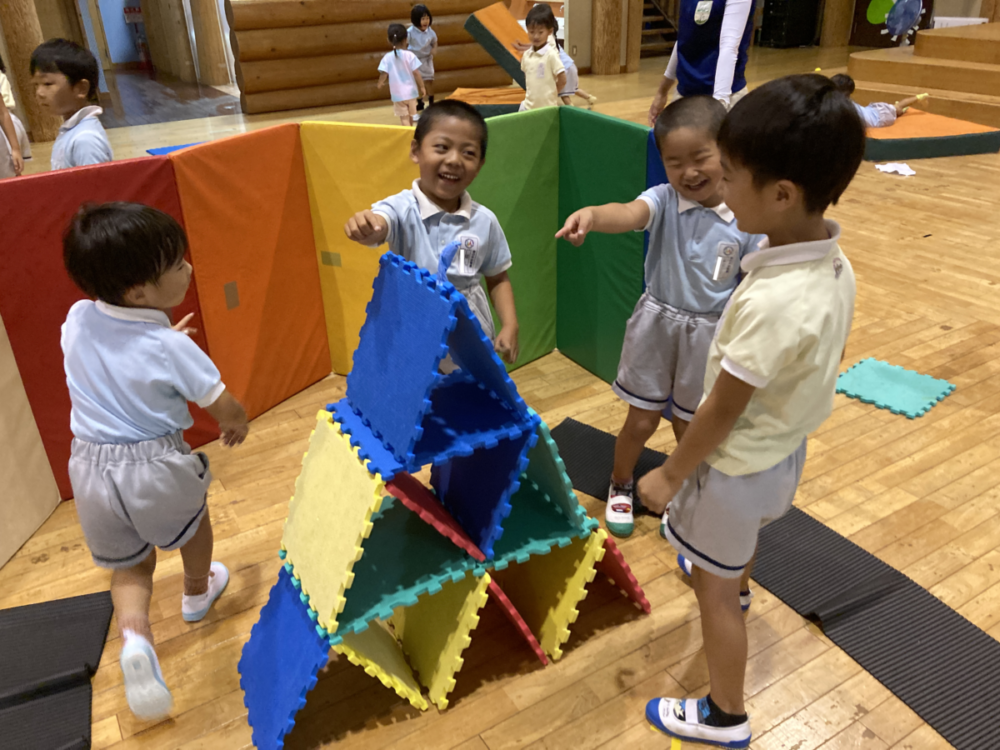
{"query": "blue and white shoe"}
(147, 694)
(194, 608)
(619, 514)
(686, 566)
(683, 719)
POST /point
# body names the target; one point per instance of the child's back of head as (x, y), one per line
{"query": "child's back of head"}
(68, 58)
(397, 35)
(111, 248)
(843, 83)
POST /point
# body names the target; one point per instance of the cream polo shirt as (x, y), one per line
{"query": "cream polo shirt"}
(783, 332)
(541, 68)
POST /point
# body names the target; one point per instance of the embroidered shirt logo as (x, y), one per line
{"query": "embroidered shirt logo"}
(838, 267)
(702, 11)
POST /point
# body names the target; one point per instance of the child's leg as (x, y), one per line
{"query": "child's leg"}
(197, 557)
(429, 88)
(406, 120)
(640, 424)
(725, 636)
(567, 101)
(131, 590)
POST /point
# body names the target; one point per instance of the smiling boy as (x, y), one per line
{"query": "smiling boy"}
(65, 76)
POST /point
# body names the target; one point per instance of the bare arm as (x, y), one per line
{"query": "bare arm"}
(232, 418)
(561, 81)
(712, 423)
(7, 125)
(382, 78)
(611, 218)
(663, 90)
(904, 104)
(420, 83)
(502, 294)
(367, 228)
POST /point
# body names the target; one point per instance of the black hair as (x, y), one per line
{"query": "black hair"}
(3, 68)
(696, 112)
(418, 12)
(799, 128)
(451, 108)
(843, 83)
(68, 58)
(397, 35)
(542, 15)
(110, 248)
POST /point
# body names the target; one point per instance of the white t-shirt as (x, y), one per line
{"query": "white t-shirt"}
(399, 65)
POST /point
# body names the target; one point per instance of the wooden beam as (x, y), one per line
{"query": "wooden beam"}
(272, 14)
(23, 33)
(837, 18)
(634, 38)
(607, 38)
(213, 65)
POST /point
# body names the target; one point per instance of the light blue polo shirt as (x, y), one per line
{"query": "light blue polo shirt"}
(130, 375)
(422, 42)
(81, 141)
(694, 255)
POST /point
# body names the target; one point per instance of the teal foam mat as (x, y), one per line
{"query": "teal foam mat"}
(892, 387)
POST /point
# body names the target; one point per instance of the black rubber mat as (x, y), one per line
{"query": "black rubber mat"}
(938, 663)
(589, 455)
(48, 653)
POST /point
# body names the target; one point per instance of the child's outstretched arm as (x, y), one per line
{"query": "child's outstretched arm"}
(232, 418)
(502, 294)
(611, 218)
(904, 104)
(713, 421)
(367, 228)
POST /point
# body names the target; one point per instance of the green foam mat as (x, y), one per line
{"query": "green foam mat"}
(602, 160)
(520, 184)
(892, 387)
(899, 149)
(547, 470)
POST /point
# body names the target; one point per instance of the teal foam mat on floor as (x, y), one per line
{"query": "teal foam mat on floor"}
(892, 387)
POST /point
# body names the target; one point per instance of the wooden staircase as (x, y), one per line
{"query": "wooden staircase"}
(959, 67)
(659, 33)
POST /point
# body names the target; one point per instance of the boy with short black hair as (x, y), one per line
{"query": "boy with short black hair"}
(136, 483)
(66, 84)
(789, 150)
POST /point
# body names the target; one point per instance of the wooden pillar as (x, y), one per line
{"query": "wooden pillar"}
(23, 33)
(607, 38)
(837, 18)
(213, 64)
(633, 50)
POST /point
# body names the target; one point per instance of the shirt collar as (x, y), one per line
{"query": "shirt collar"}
(134, 314)
(798, 252)
(722, 210)
(91, 111)
(429, 208)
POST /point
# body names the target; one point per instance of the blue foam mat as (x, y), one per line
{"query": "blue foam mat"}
(279, 664)
(892, 387)
(370, 449)
(164, 150)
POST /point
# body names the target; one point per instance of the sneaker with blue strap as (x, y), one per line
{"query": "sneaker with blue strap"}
(686, 566)
(685, 719)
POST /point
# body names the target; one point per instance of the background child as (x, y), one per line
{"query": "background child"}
(401, 68)
(423, 43)
(65, 77)
(789, 150)
(876, 114)
(450, 148)
(130, 375)
(8, 99)
(572, 74)
(11, 162)
(544, 72)
(692, 268)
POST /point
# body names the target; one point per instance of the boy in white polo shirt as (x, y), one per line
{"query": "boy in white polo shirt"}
(789, 150)
(136, 483)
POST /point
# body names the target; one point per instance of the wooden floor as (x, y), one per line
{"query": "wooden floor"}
(923, 495)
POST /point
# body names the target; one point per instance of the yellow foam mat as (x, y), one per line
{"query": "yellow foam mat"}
(348, 168)
(546, 589)
(377, 652)
(329, 518)
(437, 629)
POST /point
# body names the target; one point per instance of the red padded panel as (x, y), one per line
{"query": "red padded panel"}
(36, 293)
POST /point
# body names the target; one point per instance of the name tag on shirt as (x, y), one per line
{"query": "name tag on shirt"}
(469, 255)
(541, 71)
(727, 261)
(702, 11)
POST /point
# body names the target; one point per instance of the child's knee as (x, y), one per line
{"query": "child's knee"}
(715, 591)
(641, 423)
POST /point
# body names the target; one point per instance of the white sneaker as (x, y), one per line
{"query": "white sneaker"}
(618, 515)
(194, 608)
(683, 719)
(147, 694)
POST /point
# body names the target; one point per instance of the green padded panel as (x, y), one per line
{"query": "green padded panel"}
(602, 160)
(520, 184)
(897, 149)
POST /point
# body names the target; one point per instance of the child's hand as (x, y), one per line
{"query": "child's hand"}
(232, 418)
(521, 46)
(182, 325)
(363, 226)
(656, 491)
(15, 155)
(577, 226)
(506, 344)
(234, 433)
(381, 84)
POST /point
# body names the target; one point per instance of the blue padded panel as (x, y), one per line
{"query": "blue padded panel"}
(402, 343)
(279, 664)
(371, 450)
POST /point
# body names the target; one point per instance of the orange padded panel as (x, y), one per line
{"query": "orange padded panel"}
(508, 95)
(918, 124)
(247, 214)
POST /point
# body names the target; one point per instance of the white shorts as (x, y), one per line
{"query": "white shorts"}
(664, 357)
(405, 109)
(714, 518)
(131, 497)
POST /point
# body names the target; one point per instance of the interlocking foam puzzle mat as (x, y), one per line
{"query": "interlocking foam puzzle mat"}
(922, 135)
(892, 387)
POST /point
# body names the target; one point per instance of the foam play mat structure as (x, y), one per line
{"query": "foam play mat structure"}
(922, 135)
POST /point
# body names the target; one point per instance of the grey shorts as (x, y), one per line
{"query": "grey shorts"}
(132, 497)
(426, 68)
(664, 357)
(714, 518)
(572, 82)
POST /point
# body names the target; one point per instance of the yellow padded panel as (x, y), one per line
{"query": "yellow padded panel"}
(437, 629)
(377, 652)
(546, 589)
(348, 168)
(329, 518)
